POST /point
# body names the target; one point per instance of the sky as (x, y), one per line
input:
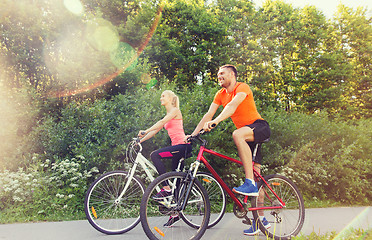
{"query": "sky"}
(328, 7)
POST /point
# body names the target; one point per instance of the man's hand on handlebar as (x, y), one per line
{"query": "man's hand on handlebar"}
(208, 126)
(187, 138)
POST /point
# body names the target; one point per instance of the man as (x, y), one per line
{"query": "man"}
(237, 100)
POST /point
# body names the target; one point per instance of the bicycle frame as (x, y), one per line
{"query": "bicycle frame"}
(146, 166)
(258, 177)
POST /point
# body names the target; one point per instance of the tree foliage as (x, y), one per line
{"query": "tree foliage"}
(295, 59)
(189, 44)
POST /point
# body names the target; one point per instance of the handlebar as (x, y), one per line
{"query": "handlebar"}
(136, 141)
(201, 132)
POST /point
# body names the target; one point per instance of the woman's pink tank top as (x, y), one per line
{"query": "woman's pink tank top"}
(175, 131)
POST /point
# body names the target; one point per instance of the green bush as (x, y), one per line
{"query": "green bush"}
(327, 159)
(44, 190)
(98, 131)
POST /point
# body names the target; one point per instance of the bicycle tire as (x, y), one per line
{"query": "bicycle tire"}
(155, 213)
(217, 199)
(286, 222)
(108, 216)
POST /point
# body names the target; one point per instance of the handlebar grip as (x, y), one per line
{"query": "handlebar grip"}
(213, 125)
(143, 133)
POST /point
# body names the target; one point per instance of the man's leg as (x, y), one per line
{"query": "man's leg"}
(241, 136)
(261, 195)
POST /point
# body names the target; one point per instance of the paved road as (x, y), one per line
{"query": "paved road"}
(319, 220)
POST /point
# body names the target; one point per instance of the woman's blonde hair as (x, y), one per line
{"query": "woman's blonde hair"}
(175, 99)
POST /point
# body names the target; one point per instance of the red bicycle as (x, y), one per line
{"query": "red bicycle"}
(279, 201)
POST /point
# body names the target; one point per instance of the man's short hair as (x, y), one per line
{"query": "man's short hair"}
(232, 68)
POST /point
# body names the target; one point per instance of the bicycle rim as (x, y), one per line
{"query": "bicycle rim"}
(108, 214)
(156, 214)
(285, 222)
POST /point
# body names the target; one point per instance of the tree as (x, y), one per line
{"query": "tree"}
(63, 53)
(273, 46)
(21, 44)
(354, 36)
(189, 42)
(318, 69)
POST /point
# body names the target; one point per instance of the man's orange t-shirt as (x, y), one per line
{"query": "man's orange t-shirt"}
(246, 113)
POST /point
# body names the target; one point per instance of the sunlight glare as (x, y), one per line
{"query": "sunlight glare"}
(8, 121)
(102, 35)
(124, 56)
(355, 223)
(74, 6)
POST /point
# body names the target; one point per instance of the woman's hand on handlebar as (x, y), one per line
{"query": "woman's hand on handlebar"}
(141, 133)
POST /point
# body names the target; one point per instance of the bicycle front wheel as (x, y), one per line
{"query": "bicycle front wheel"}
(283, 223)
(108, 213)
(163, 218)
(217, 198)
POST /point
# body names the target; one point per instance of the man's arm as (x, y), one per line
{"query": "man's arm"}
(228, 110)
(207, 117)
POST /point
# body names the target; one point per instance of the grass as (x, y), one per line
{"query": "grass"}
(357, 234)
(18, 215)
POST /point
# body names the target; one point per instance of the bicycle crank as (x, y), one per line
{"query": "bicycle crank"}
(238, 212)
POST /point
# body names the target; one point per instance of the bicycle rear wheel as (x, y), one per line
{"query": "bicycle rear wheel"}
(103, 208)
(284, 222)
(217, 198)
(156, 214)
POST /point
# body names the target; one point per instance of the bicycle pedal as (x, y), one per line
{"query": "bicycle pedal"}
(248, 222)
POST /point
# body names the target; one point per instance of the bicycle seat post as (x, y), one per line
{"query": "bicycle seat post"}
(255, 151)
(194, 168)
(258, 144)
(179, 165)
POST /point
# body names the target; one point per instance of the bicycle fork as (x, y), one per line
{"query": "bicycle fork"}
(189, 182)
(129, 179)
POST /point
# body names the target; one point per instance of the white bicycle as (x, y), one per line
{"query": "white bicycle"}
(112, 202)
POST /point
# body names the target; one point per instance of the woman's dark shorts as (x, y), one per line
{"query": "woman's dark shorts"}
(261, 132)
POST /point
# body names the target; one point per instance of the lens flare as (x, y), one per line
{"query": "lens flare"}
(152, 83)
(72, 61)
(145, 78)
(15, 118)
(74, 6)
(354, 224)
(123, 54)
(102, 37)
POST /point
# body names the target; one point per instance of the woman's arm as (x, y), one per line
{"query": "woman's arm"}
(150, 132)
(149, 135)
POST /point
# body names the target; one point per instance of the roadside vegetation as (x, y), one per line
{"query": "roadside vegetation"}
(329, 159)
(345, 235)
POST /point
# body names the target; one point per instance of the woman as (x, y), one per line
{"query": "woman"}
(173, 123)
